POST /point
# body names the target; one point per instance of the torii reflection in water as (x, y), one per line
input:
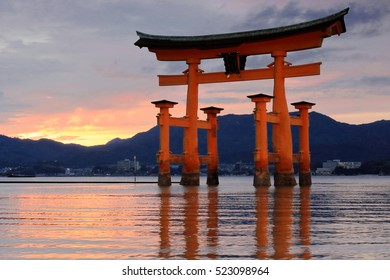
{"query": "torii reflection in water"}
(273, 229)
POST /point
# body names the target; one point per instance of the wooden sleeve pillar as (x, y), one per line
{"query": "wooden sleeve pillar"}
(191, 164)
(304, 161)
(212, 145)
(163, 156)
(281, 131)
(261, 172)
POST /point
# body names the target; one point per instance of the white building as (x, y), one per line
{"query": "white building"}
(330, 165)
(350, 164)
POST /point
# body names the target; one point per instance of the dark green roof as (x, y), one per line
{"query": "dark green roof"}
(164, 101)
(211, 108)
(233, 39)
(303, 103)
(260, 95)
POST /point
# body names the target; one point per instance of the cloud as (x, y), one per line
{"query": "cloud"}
(269, 16)
(220, 100)
(365, 18)
(369, 18)
(383, 81)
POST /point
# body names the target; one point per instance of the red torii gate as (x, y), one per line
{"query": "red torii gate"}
(234, 48)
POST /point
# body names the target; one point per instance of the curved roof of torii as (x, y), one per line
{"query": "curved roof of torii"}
(330, 25)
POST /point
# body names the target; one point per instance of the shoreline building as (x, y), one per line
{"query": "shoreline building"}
(127, 165)
(329, 166)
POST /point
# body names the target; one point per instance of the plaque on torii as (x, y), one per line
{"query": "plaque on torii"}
(233, 49)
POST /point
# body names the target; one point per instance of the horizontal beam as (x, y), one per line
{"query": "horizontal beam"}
(203, 124)
(184, 122)
(273, 118)
(172, 80)
(204, 159)
(297, 158)
(296, 121)
(303, 70)
(177, 158)
(245, 75)
(275, 157)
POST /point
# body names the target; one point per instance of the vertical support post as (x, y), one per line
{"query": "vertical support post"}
(261, 172)
(281, 131)
(191, 164)
(163, 156)
(212, 145)
(304, 159)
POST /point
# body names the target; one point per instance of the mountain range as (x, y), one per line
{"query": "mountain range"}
(329, 139)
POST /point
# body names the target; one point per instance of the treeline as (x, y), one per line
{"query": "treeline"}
(41, 167)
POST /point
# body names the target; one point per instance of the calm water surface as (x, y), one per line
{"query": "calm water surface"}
(337, 218)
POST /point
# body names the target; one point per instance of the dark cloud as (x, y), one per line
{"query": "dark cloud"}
(383, 81)
(358, 86)
(15, 69)
(364, 17)
(368, 18)
(275, 16)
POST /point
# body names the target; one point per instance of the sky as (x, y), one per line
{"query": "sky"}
(70, 72)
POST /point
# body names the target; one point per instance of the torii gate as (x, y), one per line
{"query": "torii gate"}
(234, 48)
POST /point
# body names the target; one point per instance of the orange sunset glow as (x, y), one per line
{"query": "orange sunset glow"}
(82, 126)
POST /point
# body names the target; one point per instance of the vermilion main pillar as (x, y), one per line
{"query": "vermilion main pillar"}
(191, 164)
(281, 131)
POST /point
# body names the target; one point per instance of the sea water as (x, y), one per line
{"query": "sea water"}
(337, 217)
